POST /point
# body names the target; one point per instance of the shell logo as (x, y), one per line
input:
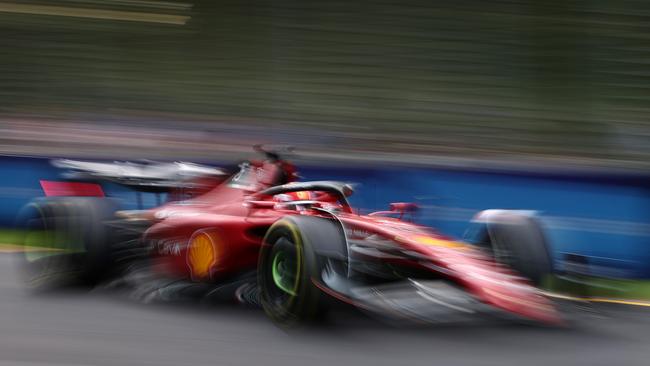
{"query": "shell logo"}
(202, 255)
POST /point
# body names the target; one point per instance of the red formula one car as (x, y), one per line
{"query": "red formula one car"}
(293, 247)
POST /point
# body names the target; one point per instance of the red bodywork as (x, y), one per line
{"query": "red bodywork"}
(236, 217)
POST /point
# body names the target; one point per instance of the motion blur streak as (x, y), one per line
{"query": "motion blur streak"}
(598, 299)
(93, 13)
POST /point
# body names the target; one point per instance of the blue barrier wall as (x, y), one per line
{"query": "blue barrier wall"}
(603, 216)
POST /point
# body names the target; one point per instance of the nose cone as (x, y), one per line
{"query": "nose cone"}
(499, 287)
(526, 303)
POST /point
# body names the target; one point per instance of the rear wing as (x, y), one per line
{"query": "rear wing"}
(147, 176)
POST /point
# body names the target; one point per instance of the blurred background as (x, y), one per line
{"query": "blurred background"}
(505, 80)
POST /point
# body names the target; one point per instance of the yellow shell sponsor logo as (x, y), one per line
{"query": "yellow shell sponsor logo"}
(428, 240)
(202, 255)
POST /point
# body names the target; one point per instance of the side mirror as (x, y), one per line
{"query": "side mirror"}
(398, 208)
(404, 207)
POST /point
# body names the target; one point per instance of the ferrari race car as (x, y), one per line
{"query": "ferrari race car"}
(295, 248)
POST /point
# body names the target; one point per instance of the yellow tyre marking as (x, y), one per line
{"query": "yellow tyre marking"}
(298, 241)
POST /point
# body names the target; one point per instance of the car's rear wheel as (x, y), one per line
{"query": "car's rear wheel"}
(66, 240)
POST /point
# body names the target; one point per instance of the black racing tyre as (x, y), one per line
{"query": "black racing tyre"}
(66, 240)
(289, 264)
(518, 241)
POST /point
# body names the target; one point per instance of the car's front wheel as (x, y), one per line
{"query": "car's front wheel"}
(290, 266)
(516, 240)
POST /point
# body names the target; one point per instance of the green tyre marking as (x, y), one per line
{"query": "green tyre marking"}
(281, 276)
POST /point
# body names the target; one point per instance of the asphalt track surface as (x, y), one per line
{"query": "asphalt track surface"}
(104, 328)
